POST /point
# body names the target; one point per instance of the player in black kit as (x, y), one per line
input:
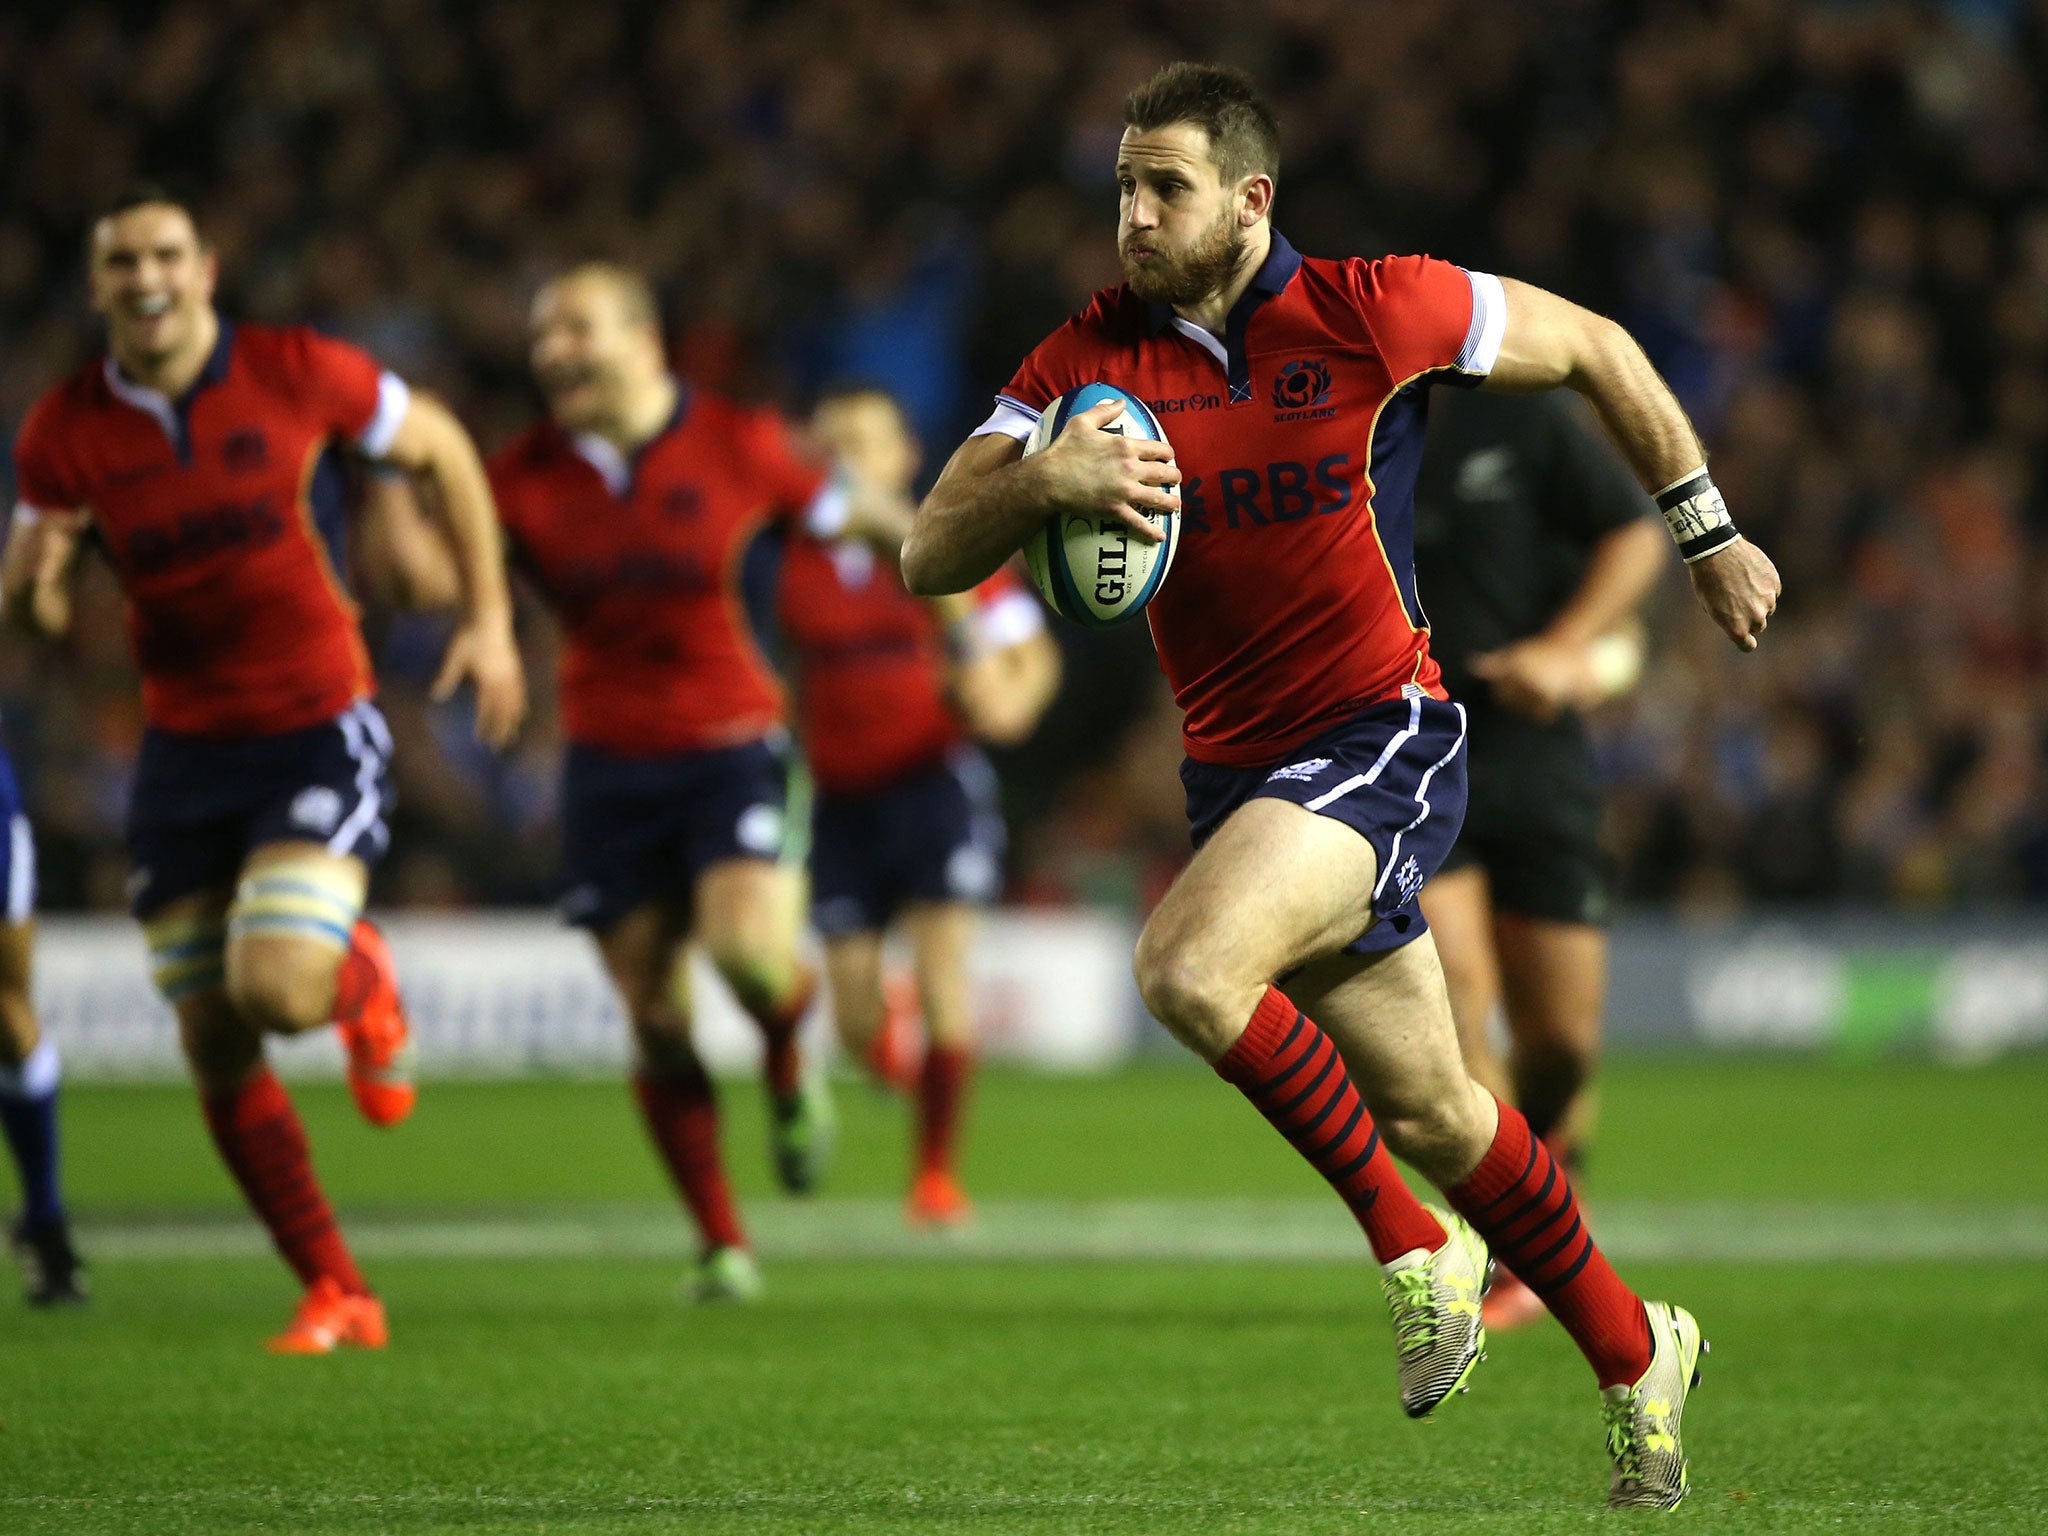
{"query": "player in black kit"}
(1533, 547)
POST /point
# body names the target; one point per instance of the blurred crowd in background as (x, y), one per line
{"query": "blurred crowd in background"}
(1828, 223)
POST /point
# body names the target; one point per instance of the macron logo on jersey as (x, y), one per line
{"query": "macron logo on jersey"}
(1195, 402)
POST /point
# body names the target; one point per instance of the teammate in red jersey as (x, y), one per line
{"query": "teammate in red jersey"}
(891, 694)
(1324, 773)
(201, 458)
(633, 508)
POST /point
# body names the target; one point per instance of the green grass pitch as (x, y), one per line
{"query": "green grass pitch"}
(1118, 1350)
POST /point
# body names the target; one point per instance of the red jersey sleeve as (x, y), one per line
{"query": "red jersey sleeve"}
(43, 479)
(1427, 315)
(1065, 360)
(350, 393)
(788, 473)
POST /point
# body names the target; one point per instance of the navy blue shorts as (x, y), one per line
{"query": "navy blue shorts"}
(936, 835)
(202, 804)
(642, 829)
(1394, 774)
(17, 850)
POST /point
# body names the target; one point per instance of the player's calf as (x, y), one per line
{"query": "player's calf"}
(221, 1047)
(1442, 1132)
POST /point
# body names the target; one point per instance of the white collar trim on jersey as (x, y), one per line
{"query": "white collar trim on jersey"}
(150, 402)
(603, 455)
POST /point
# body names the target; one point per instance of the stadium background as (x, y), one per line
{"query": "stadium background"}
(1829, 224)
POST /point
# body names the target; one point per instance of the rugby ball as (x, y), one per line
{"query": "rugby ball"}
(1092, 570)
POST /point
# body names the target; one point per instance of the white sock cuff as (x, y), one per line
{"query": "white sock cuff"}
(35, 1078)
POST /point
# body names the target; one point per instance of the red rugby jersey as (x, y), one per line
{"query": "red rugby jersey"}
(1291, 602)
(871, 662)
(641, 559)
(223, 515)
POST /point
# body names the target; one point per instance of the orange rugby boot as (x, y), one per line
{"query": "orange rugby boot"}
(937, 1200)
(892, 1056)
(329, 1316)
(371, 1018)
(1510, 1304)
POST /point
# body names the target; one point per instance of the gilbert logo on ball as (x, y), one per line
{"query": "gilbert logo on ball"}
(1094, 570)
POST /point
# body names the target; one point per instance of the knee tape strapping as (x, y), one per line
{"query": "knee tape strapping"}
(187, 954)
(314, 898)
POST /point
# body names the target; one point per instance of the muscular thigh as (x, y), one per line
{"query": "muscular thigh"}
(1276, 887)
(750, 908)
(641, 951)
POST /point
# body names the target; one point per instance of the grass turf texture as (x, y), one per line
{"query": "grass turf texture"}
(1023, 1396)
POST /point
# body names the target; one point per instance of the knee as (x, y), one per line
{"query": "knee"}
(1184, 993)
(219, 1047)
(858, 1012)
(1560, 1063)
(280, 996)
(758, 973)
(662, 1036)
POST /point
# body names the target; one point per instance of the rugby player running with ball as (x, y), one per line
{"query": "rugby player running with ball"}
(1324, 774)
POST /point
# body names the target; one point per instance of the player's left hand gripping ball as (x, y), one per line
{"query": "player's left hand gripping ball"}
(1094, 569)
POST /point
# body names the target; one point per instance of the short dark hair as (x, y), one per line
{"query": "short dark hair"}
(856, 387)
(1244, 136)
(144, 194)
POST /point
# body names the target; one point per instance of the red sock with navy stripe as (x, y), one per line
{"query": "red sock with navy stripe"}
(1293, 1075)
(681, 1110)
(941, 1086)
(263, 1143)
(1522, 1204)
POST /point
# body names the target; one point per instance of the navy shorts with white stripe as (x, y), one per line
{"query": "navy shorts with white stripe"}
(1394, 773)
(201, 804)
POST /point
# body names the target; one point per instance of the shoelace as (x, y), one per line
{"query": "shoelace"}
(1622, 1448)
(1412, 1298)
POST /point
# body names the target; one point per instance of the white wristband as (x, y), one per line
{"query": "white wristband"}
(1697, 516)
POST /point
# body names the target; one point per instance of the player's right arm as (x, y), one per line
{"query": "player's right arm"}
(1547, 341)
(51, 522)
(990, 499)
(37, 571)
(404, 558)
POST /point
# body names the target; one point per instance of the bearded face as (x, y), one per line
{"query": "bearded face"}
(1161, 274)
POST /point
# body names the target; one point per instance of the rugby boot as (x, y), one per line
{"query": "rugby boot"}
(726, 1273)
(802, 1130)
(1510, 1304)
(1643, 1420)
(371, 1018)
(937, 1200)
(1435, 1301)
(52, 1272)
(327, 1317)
